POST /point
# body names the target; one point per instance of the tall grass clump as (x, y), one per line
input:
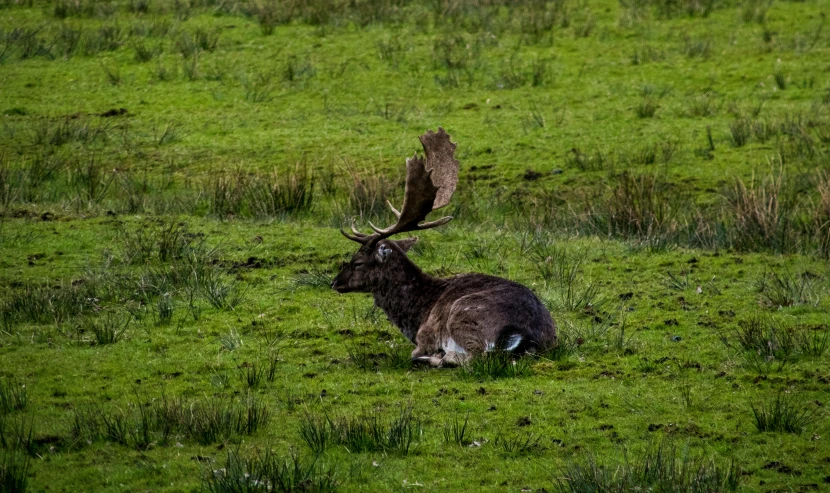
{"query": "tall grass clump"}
(274, 195)
(368, 193)
(161, 241)
(139, 425)
(43, 305)
(820, 220)
(660, 468)
(362, 433)
(277, 194)
(740, 131)
(314, 277)
(497, 364)
(785, 289)
(252, 374)
(316, 432)
(761, 215)
(647, 107)
(108, 328)
(222, 293)
(633, 207)
(456, 432)
(13, 395)
(766, 342)
(565, 347)
(763, 340)
(784, 414)
(14, 470)
(268, 472)
(518, 444)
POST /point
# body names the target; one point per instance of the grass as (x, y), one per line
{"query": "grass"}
(14, 470)
(107, 329)
(519, 444)
(663, 467)
(13, 396)
(497, 364)
(455, 432)
(362, 433)
(379, 355)
(267, 471)
(173, 175)
(141, 425)
(784, 414)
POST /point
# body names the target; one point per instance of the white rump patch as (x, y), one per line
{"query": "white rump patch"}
(513, 342)
(451, 346)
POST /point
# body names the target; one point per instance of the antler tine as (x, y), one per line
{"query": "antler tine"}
(357, 236)
(359, 239)
(356, 232)
(434, 224)
(394, 211)
(417, 227)
(377, 230)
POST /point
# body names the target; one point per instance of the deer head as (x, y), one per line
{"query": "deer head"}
(430, 183)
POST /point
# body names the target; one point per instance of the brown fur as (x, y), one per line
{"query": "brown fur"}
(476, 311)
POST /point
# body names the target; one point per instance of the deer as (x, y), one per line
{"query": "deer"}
(450, 320)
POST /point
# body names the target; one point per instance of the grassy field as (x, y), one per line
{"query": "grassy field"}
(173, 175)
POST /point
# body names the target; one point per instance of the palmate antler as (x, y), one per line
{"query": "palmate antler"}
(430, 184)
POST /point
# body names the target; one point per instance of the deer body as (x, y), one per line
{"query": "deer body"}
(449, 320)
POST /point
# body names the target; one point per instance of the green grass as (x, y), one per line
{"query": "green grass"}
(173, 175)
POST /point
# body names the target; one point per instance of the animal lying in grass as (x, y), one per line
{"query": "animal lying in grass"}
(449, 320)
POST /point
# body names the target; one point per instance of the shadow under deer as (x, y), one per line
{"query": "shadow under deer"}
(450, 320)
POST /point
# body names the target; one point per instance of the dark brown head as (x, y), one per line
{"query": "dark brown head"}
(374, 265)
(430, 183)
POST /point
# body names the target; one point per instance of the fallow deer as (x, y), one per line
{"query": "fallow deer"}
(449, 320)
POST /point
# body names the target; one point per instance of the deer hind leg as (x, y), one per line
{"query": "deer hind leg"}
(435, 360)
(454, 353)
(421, 355)
(453, 359)
(443, 360)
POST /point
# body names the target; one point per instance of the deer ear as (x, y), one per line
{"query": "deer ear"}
(406, 243)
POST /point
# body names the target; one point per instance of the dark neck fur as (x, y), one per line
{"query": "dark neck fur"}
(408, 299)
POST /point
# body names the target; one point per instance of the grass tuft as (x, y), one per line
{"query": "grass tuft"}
(764, 338)
(740, 131)
(362, 433)
(139, 425)
(268, 472)
(497, 364)
(660, 468)
(760, 215)
(647, 108)
(785, 289)
(13, 395)
(455, 432)
(784, 414)
(519, 444)
(252, 374)
(316, 432)
(108, 328)
(14, 470)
